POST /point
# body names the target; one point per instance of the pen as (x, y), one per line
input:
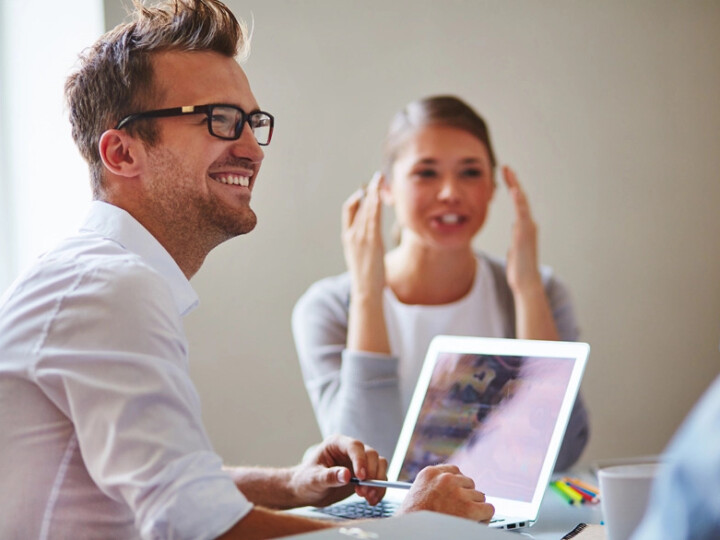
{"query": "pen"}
(381, 483)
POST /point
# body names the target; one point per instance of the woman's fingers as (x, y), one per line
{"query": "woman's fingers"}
(363, 206)
(350, 208)
(522, 207)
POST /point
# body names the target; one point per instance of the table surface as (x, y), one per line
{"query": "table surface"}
(557, 517)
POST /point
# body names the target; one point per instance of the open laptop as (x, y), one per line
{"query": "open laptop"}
(496, 408)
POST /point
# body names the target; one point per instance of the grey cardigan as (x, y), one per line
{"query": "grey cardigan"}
(358, 394)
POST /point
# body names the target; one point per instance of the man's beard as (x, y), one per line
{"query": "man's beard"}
(191, 215)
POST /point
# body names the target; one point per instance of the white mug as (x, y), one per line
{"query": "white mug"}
(624, 494)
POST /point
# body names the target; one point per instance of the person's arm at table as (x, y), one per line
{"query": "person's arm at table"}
(321, 479)
(440, 488)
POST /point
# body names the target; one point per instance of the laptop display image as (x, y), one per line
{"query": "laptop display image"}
(496, 408)
(492, 416)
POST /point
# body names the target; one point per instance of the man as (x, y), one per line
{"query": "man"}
(684, 504)
(100, 428)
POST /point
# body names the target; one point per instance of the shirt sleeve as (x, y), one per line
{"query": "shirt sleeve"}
(114, 360)
(683, 501)
(353, 393)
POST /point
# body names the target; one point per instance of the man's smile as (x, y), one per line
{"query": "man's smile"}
(234, 179)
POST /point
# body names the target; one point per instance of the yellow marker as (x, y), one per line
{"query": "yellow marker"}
(567, 490)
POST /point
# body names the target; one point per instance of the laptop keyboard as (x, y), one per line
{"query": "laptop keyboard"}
(360, 510)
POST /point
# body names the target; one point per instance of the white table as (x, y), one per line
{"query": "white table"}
(558, 518)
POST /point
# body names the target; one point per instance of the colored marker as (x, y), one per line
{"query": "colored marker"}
(574, 495)
(565, 493)
(587, 496)
(579, 483)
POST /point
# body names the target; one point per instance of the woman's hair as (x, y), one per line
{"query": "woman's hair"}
(115, 77)
(432, 111)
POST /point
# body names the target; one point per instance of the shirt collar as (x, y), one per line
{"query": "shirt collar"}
(119, 226)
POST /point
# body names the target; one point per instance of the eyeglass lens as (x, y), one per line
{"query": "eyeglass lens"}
(227, 122)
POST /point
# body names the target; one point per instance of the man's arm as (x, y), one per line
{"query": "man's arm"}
(322, 479)
(441, 488)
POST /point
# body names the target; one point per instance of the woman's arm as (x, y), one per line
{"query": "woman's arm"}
(533, 314)
(542, 310)
(342, 340)
(364, 255)
(352, 392)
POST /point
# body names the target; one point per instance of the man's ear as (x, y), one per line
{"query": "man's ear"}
(122, 154)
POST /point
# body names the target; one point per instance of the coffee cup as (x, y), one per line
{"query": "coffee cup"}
(624, 494)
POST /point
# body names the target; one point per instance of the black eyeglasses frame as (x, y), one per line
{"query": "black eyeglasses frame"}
(208, 111)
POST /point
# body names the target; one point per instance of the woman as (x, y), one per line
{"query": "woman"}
(362, 336)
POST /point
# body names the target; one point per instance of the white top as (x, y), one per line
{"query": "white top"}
(101, 434)
(411, 327)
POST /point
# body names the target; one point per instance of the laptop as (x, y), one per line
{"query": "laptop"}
(416, 525)
(496, 408)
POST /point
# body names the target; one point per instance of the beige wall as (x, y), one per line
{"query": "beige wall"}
(609, 111)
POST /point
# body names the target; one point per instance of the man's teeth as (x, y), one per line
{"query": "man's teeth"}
(235, 180)
(450, 218)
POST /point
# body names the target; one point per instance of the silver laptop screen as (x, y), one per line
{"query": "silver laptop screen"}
(491, 415)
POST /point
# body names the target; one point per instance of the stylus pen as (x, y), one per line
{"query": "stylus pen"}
(381, 483)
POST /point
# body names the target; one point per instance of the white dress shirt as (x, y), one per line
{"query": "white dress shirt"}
(100, 425)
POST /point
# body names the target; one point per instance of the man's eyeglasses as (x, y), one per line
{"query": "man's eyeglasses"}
(223, 121)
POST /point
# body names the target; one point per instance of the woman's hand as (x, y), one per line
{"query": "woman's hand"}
(323, 478)
(533, 315)
(522, 260)
(362, 238)
(365, 257)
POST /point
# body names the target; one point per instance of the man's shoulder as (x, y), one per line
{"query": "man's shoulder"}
(96, 256)
(87, 265)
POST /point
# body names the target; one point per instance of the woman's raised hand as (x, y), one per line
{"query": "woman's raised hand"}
(365, 258)
(522, 259)
(362, 239)
(534, 319)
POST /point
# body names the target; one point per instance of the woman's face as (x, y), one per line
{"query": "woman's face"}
(442, 184)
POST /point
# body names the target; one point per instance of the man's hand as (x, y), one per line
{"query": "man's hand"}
(324, 477)
(443, 488)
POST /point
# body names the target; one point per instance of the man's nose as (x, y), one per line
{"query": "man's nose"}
(247, 146)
